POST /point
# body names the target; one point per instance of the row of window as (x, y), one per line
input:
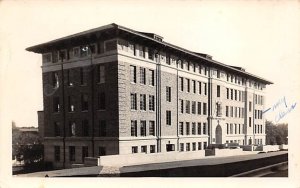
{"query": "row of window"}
(84, 72)
(192, 146)
(143, 128)
(72, 152)
(143, 102)
(79, 51)
(235, 128)
(236, 95)
(101, 103)
(192, 129)
(258, 99)
(80, 130)
(258, 114)
(192, 86)
(144, 149)
(258, 129)
(143, 75)
(192, 107)
(237, 112)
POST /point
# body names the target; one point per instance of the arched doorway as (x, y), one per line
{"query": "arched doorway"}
(218, 134)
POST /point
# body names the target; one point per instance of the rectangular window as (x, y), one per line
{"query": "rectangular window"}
(219, 110)
(181, 83)
(235, 111)
(193, 107)
(142, 75)
(187, 107)
(188, 85)
(231, 128)
(70, 77)
(227, 128)
(205, 88)
(200, 88)
(227, 111)
(152, 148)
(143, 128)
(204, 108)
(188, 147)
(102, 151)
(133, 74)
(133, 128)
(187, 128)
(55, 80)
(218, 73)
(141, 51)
(227, 92)
(72, 153)
(193, 128)
(250, 121)
(72, 128)
(133, 103)
(71, 104)
(181, 147)
(204, 128)
(204, 145)
(181, 106)
(199, 108)
(235, 128)
(168, 119)
(101, 74)
(168, 94)
(143, 149)
(57, 128)
(134, 149)
(218, 91)
(199, 129)
(194, 146)
(194, 86)
(231, 92)
(56, 106)
(231, 111)
(101, 101)
(152, 128)
(83, 78)
(85, 153)
(199, 146)
(57, 153)
(180, 128)
(235, 94)
(250, 106)
(84, 102)
(85, 128)
(143, 102)
(151, 77)
(102, 128)
(151, 103)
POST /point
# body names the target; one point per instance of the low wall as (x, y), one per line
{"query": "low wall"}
(141, 158)
(91, 161)
(228, 152)
(283, 146)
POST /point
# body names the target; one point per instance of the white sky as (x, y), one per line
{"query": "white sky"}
(261, 36)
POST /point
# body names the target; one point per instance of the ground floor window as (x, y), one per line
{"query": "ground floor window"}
(194, 146)
(72, 153)
(85, 152)
(199, 146)
(170, 147)
(204, 145)
(181, 147)
(188, 147)
(152, 148)
(144, 149)
(57, 153)
(102, 151)
(134, 149)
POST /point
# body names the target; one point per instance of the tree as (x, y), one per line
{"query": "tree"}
(276, 133)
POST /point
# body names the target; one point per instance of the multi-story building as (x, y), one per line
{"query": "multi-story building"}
(114, 90)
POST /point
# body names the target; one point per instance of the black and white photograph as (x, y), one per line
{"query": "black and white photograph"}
(149, 93)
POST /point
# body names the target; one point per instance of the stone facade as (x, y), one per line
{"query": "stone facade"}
(97, 93)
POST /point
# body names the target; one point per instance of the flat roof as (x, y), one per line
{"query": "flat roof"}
(41, 48)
